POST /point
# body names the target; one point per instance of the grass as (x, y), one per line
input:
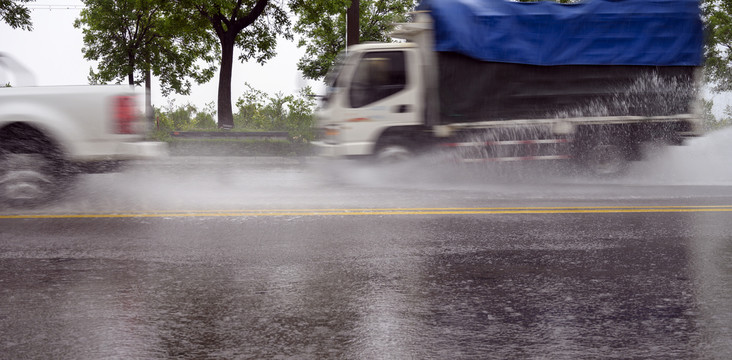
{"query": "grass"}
(236, 147)
(230, 146)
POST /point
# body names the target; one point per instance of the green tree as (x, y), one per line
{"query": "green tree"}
(250, 25)
(322, 24)
(15, 14)
(134, 38)
(718, 48)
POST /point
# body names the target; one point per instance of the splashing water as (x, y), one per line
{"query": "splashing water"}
(703, 161)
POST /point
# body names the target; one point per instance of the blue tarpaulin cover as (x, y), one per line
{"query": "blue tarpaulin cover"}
(593, 32)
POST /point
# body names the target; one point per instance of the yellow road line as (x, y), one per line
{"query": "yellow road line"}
(386, 211)
(460, 208)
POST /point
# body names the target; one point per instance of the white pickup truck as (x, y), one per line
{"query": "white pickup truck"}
(50, 134)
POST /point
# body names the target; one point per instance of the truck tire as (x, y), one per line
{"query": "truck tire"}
(32, 170)
(393, 150)
(606, 160)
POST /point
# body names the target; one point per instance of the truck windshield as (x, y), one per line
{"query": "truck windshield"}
(331, 78)
(378, 75)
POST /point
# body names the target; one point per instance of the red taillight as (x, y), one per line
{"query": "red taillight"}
(124, 111)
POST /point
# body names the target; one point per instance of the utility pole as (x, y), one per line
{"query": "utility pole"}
(352, 26)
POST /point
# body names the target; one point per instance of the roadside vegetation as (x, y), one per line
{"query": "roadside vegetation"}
(254, 111)
(711, 122)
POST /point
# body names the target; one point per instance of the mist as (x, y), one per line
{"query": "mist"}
(182, 184)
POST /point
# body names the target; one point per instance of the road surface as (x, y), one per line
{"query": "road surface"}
(289, 259)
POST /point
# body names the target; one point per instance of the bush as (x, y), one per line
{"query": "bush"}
(254, 111)
(248, 112)
(185, 117)
(292, 113)
(711, 122)
(206, 119)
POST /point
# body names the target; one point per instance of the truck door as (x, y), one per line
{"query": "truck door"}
(382, 93)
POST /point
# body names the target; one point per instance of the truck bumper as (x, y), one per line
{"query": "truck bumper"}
(323, 149)
(342, 150)
(142, 150)
(117, 156)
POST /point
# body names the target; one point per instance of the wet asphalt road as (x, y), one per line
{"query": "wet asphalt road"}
(298, 260)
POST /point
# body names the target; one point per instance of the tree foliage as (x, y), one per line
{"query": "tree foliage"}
(322, 24)
(249, 25)
(130, 38)
(15, 14)
(718, 49)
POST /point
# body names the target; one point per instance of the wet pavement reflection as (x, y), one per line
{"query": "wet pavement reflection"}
(564, 286)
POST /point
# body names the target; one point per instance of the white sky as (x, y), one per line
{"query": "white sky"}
(52, 51)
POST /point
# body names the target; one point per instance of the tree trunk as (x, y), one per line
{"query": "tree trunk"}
(352, 23)
(148, 98)
(131, 73)
(226, 117)
(227, 31)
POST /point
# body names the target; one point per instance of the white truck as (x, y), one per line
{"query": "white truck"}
(505, 81)
(50, 134)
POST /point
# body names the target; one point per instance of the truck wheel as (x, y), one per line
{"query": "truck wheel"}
(31, 173)
(392, 152)
(606, 160)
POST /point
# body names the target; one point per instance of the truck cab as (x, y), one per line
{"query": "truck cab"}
(374, 91)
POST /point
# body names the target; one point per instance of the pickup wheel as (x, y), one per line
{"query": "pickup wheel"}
(32, 170)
